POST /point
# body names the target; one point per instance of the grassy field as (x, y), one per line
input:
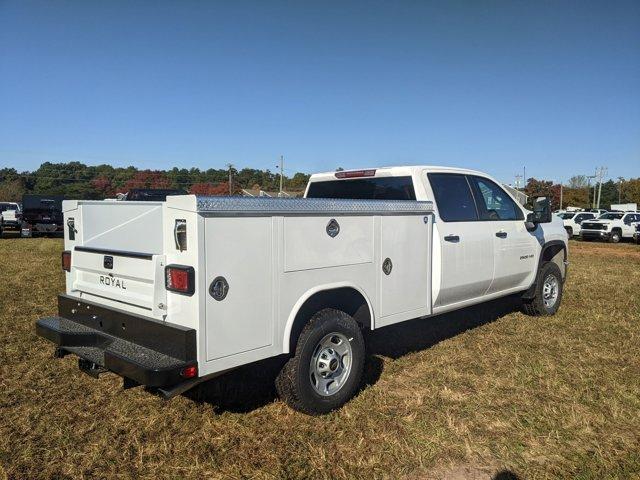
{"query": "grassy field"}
(483, 393)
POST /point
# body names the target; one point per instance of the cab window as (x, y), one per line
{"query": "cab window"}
(583, 216)
(493, 202)
(453, 197)
(376, 188)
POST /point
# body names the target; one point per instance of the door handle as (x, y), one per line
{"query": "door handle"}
(452, 238)
(501, 234)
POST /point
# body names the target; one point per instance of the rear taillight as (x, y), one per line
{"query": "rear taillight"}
(189, 372)
(356, 173)
(179, 279)
(66, 261)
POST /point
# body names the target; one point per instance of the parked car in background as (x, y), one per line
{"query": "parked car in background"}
(41, 214)
(12, 216)
(572, 221)
(171, 293)
(611, 226)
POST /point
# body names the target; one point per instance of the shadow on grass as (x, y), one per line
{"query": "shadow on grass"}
(252, 386)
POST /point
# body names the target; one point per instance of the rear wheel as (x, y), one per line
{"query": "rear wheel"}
(548, 292)
(326, 370)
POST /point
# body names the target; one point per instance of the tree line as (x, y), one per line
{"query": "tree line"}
(77, 180)
(579, 192)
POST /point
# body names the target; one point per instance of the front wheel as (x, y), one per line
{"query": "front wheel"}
(326, 370)
(548, 293)
(615, 237)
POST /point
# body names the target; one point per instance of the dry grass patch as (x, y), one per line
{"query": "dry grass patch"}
(486, 389)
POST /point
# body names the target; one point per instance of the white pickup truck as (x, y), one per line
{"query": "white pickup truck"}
(573, 221)
(169, 294)
(611, 226)
(11, 216)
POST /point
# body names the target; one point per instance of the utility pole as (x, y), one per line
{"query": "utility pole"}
(603, 172)
(589, 177)
(230, 167)
(281, 174)
(620, 179)
(595, 188)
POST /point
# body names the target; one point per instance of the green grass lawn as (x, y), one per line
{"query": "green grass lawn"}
(477, 392)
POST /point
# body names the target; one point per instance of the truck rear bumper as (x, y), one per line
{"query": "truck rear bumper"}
(147, 351)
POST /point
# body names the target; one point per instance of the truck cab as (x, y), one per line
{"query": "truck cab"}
(483, 245)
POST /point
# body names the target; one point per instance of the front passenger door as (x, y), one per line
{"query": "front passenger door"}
(513, 245)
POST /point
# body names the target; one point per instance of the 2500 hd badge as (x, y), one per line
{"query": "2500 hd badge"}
(113, 282)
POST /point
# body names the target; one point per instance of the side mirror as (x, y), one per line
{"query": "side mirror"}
(541, 211)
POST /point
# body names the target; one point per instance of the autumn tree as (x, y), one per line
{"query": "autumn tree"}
(544, 188)
(103, 187)
(148, 179)
(217, 190)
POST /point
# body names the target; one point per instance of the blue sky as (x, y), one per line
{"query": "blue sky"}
(553, 86)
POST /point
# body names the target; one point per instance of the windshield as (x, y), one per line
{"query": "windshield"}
(611, 216)
(567, 216)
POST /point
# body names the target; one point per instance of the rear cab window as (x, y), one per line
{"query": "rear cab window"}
(372, 188)
(453, 197)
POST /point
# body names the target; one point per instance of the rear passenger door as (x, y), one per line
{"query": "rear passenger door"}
(513, 245)
(466, 267)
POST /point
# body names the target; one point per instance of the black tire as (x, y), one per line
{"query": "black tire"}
(615, 236)
(536, 306)
(294, 382)
(569, 231)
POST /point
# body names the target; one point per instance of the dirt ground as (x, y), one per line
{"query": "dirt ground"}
(485, 392)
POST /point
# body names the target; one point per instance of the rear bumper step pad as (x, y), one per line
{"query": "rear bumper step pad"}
(126, 352)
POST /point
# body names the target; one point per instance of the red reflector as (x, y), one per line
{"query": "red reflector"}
(180, 279)
(66, 261)
(356, 173)
(190, 371)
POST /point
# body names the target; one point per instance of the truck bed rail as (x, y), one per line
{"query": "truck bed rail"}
(247, 206)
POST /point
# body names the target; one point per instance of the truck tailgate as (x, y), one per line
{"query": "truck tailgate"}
(135, 279)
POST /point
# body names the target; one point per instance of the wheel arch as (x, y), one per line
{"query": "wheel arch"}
(342, 296)
(552, 251)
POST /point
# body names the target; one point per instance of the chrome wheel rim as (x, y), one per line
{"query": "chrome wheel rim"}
(550, 289)
(330, 364)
